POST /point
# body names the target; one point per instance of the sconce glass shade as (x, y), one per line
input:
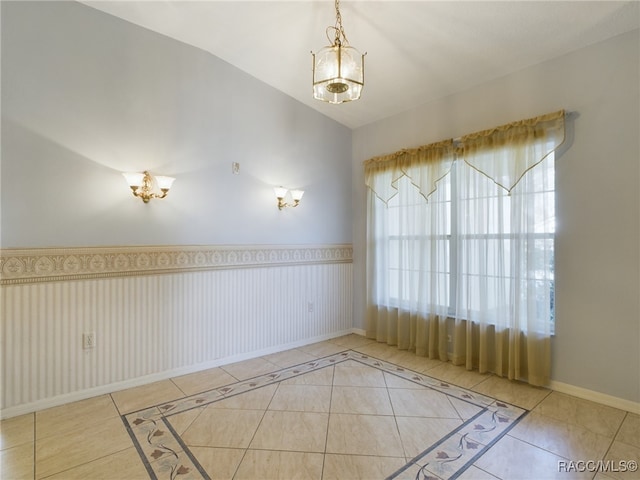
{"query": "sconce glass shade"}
(296, 195)
(134, 179)
(338, 74)
(280, 192)
(164, 183)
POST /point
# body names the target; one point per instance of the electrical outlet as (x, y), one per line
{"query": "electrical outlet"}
(448, 338)
(88, 340)
(310, 307)
(235, 168)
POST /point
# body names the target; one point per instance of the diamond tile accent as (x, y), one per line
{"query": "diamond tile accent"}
(327, 418)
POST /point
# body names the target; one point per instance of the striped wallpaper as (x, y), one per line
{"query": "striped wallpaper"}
(151, 325)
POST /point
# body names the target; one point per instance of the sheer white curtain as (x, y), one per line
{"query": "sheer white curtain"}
(473, 256)
(407, 291)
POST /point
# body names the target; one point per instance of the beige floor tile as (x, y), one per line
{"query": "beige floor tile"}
(510, 391)
(354, 374)
(621, 456)
(223, 428)
(357, 467)
(421, 403)
(250, 368)
(351, 341)
(280, 431)
(393, 381)
(17, 431)
(257, 399)
(292, 431)
(203, 381)
(630, 430)
(511, 459)
(465, 410)
(219, 463)
(363, 435)
(324, 376)
(144, 396)
(58, 453)
(289, 358)
(378, 350)
(456, 375)
(474, 473)
(302, 398)
(277, 465)
(323, 349)
(418, 434)
(182, 421)
(361, 400)
(598, 418)
(564, 439)
(71, 416)
(411, 361)
(17, 462)
(124, 464)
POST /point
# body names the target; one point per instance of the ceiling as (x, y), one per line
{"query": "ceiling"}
(417, 51)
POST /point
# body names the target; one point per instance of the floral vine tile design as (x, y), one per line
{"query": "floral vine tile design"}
(477, 421)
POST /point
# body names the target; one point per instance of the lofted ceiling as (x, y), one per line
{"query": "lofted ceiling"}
(417, 51)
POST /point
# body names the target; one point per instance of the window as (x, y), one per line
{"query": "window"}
(470, 243)
(461, 244)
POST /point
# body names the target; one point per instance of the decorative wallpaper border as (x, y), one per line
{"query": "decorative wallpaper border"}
(20, 266)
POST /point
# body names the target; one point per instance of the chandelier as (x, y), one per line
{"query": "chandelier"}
(338, 69)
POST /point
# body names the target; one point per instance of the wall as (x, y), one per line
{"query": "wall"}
(86, 96)
(597, 342)
(211, 274)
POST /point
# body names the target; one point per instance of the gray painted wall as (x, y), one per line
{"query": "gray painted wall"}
(597, 340)
(86, 96)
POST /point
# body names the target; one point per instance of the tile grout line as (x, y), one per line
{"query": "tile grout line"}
(257, 427)
(395, 418)
(326, 436)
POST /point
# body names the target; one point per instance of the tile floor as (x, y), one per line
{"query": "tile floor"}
(325, 411)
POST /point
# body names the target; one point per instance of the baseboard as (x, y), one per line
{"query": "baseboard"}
(26, 408)
(598, 397)
(144, 380)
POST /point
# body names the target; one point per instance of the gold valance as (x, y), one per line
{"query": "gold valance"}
(504, 154)
(424, 166)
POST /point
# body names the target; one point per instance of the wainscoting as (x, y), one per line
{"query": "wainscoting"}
(157, 312)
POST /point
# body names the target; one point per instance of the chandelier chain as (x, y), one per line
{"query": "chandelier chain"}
(340, 37)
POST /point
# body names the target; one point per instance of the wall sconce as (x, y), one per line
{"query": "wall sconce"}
(142, 185)
(281, 192)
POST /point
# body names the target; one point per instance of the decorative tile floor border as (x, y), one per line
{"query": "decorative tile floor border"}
(165, 455)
